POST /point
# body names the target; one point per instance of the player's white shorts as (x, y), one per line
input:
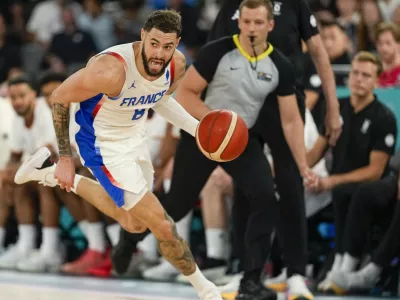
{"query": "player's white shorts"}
(119, 166)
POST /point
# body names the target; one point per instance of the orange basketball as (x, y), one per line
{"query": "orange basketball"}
(222, 135)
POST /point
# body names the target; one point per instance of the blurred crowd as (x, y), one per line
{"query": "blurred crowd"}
(41, 42)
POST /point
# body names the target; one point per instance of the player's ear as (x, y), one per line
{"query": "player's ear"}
(142, 33)
(177, 41)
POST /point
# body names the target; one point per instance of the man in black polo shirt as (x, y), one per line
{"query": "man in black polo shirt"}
(362, 152)
(293, 23)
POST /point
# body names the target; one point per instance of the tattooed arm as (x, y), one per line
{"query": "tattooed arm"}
(104, 74)
(61, 126)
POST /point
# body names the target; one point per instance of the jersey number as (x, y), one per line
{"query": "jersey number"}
(138, 114)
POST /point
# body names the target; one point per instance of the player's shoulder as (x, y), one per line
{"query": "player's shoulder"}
(179, 61)
(383, 112)
(106, 64)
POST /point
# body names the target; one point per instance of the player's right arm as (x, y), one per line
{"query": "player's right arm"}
(103, 74)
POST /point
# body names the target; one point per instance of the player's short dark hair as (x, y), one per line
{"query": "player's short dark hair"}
(331, 23)
(167, 21)
(388, 26)
(22, 79)
(52, 77)
(252, 4)
(365, 56)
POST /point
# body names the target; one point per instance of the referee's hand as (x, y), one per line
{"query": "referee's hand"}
(310, 179)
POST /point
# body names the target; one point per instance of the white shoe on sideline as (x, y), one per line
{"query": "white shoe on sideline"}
(38, 167)
(297, 288)
(163, 272)
(38, 261)
(12, 256)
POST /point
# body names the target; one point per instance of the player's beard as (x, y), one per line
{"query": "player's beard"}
(146, 62)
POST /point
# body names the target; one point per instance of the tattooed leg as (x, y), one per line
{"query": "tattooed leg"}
(171, 246)
(177, 251)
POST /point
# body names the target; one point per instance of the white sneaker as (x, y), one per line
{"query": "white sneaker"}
(326, 284)
(12, 256)
(277, 283)
(138, 264)
(210, 293)
(38, 167)
(164, 272)
(297, 288)
(37, 261)
(232, 286)
(212, 274)
(344, 282)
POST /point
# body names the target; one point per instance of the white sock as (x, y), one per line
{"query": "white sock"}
(2, 236)
(337, 262)
(216, 239)
(83, 225)
(76, 181)
(198, 281)
(113, 231)
(50, 240)
(349, 263)
(27, 237)
(149, 247)
(95, 237)
(371, 270)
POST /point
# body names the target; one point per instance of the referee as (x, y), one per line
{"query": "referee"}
(293, 23)
(240, 73)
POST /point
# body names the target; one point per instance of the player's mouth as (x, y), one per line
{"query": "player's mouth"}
(156, 63)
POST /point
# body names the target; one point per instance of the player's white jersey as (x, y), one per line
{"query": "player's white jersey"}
(121, 117)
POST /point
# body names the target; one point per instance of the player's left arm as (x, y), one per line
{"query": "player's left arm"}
(169, 108)
(384, 135)
(309, 33)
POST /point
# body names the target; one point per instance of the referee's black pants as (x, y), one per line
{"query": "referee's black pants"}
(250, 172)
(289, 218)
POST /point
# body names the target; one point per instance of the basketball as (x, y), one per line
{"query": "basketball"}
(222, 135)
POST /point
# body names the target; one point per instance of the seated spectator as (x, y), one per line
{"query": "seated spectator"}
(71, 48)
(46, 20)
(10, 56)
(362, 152)
(370, 18)
(6, 117)
(349, 18)
(98, 24)
(32, 129)
(387, 44)
(387, 8)
(375, 203)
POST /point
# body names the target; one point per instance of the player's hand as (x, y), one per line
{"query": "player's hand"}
(333, 124)
(65, 173)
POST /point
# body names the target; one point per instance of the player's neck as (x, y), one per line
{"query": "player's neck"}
(247, 47)
(359, 103)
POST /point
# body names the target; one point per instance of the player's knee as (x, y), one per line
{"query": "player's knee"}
(129, 225)
(166, 231)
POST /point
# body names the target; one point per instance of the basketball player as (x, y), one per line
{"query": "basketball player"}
(114, 92)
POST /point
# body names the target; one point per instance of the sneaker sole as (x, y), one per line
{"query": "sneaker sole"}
(21, 177)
